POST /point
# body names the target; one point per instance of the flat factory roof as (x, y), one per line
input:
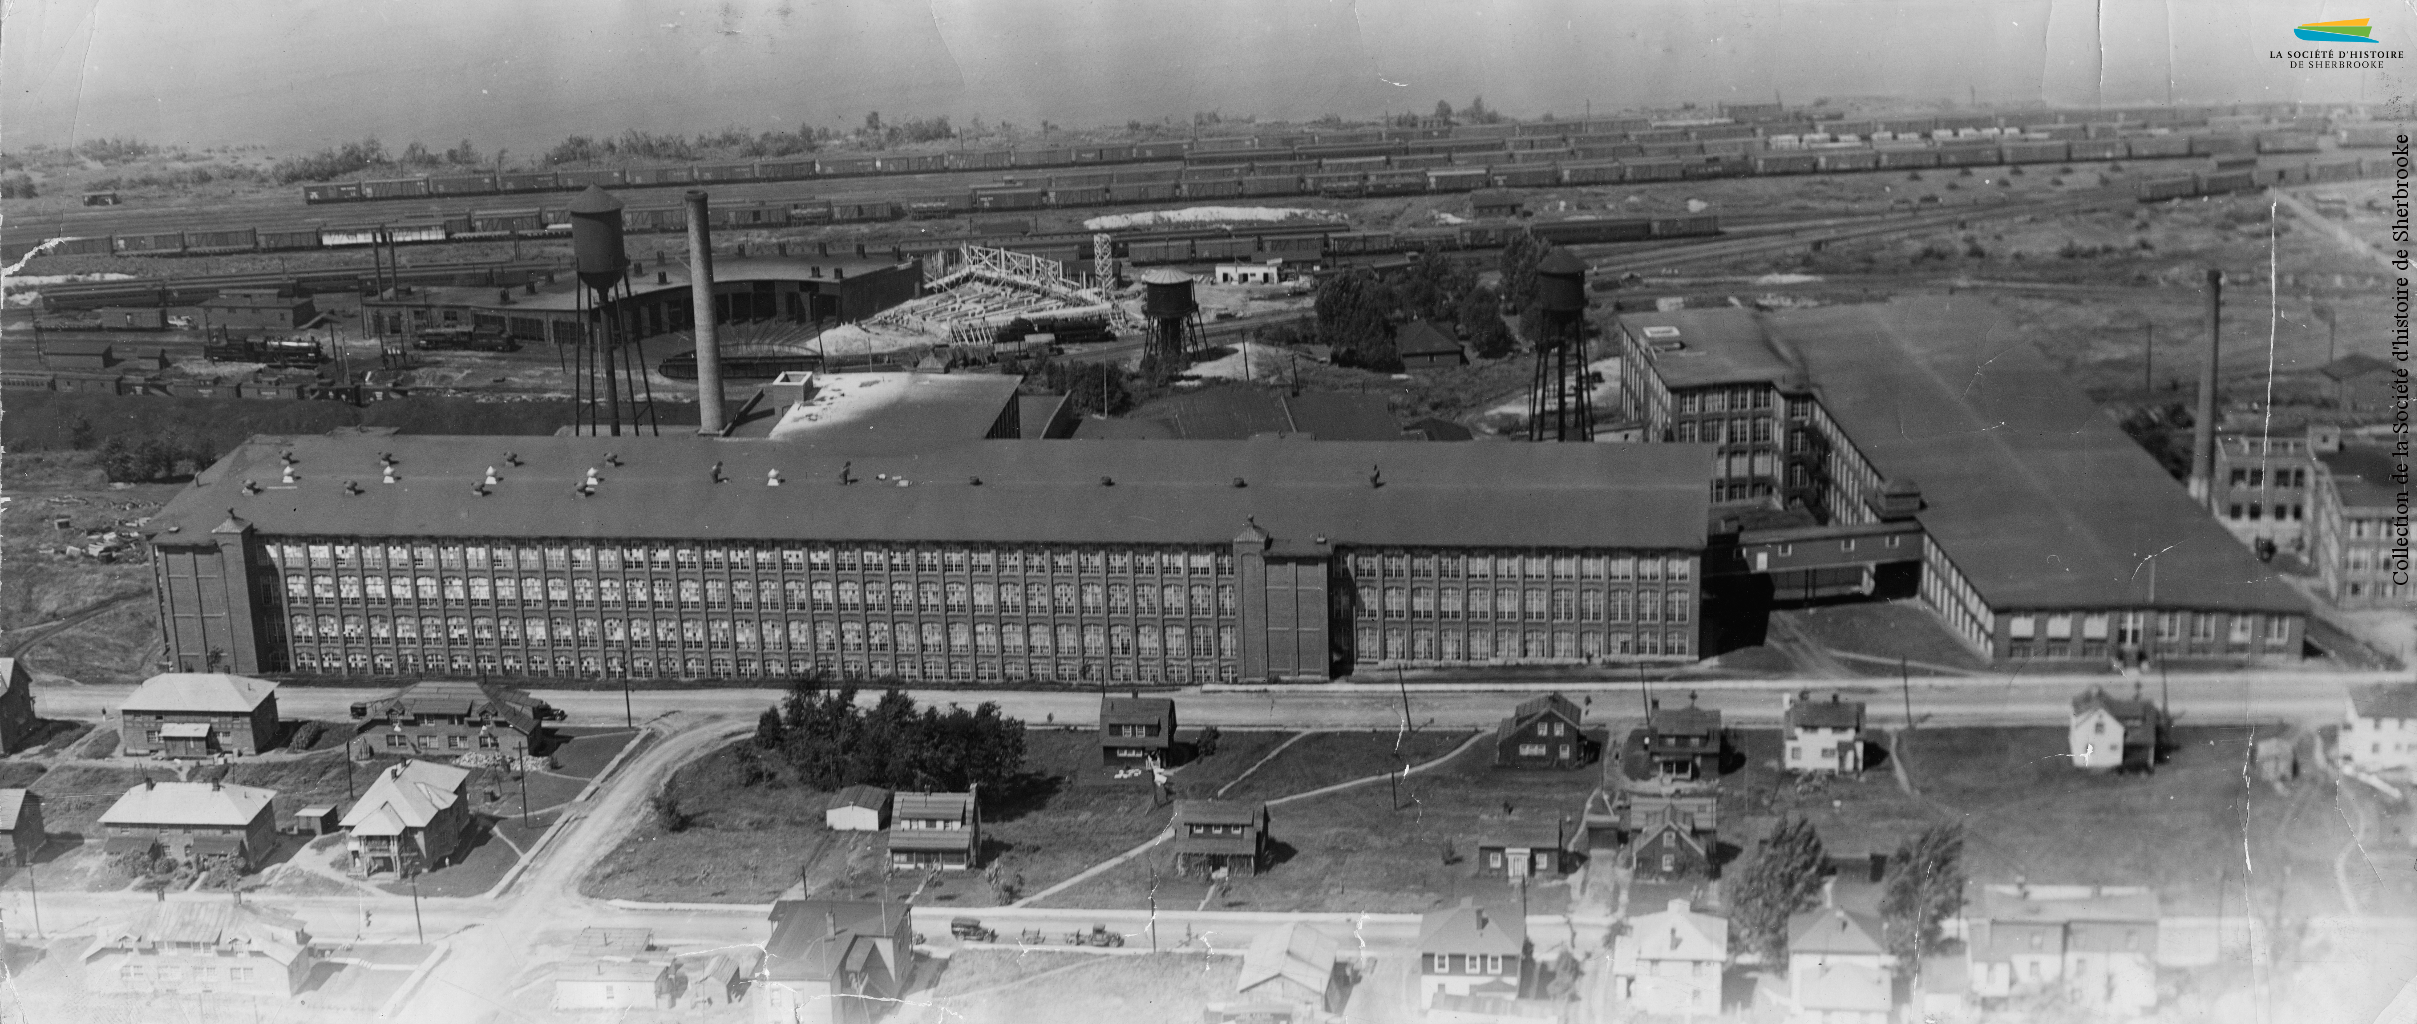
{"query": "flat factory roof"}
(2028, 486)
(2362, 476)
(1713, 346)
(1103, 492)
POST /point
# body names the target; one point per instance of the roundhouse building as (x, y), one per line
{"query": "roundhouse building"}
(1112, 560)
(745, 290)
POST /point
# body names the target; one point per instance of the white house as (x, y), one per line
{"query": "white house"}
(2381, 730)
(1670, 962)
(1246, 273)
(2096, 945)
(858, 809)
(1472, 950)
(2108, 732)
(1823, 736)
(1839, 971)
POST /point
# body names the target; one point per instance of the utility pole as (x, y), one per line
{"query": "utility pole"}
(1905, 679)
(35, 889)
(629, 716)
(524, 791)
(416, 926)
(2148, 360)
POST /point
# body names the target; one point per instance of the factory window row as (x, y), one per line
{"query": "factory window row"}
(1734, 430)
(1736, 398)
(1556, 604)
(2255, 476)
(689, 557)
(1453, 645)
(1371, 566)
(2088, 633)
(2294, 511)
(1201, 640)
(698, 666)
(979, 596)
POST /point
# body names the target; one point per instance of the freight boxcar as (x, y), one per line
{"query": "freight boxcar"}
(1787, 163)
(412, 230)
(607, 177)
(2150, 147)
(1291, 167)
(336, 236)
(1085, 195)
(1003, 225)
(1488, 235)
(332, 193)
(1541, 156)
(1222, 145)
(1349, 183)
(1967, 155)
(1220, 158)
(1593, 230)
(2035, 152)
(2229, 181)
(152, 244)
(527, 181)
(2220, 145)
(1224, 248)
(462, 185)
(394, 188)
(1146, 192)
(490, 221)
(1713, 167)
(1042, 157)
(1150, 176)
(285, 238)
(916, 164)
(1353, 243)
(1524, 176)
(1833, 160)
(1602, 172)
(1458, 179)
(1009, 199)
(2096, 149)
(2286, 142)
(750, 215)
(1307, 246)
(1084, 180)
(2167, 188)
(1212, 188)
(237, 240)
(1271, 185)
(677, 175)
(1396, 182)
(721, 172)
(1222, 171)
(1689, 226)
(810, 211)
(1352, 163)
(1160, 151)
(868, 211)
(2367, 136)
(1899, 159)
(1421, 161)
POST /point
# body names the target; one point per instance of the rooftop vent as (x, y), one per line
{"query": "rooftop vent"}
(491, 479)
(772, 478)
(612, 460)
(717, 473)
(286, 475)
(250, 488)
(593, 479)
(977, 481)
(1238, 482)
(351, 487)
(511, 458)
(386, 474)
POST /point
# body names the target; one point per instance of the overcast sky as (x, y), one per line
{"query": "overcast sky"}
(524, 73)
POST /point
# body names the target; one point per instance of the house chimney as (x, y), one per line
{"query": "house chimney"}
(700, 296)
(1829, 891)
(2203, 427)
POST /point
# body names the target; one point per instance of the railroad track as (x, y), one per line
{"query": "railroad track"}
(1626, 259)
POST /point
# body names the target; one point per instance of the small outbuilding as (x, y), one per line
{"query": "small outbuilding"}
(1424, 346)
(1296, 964)
(21, 816)
(615, 984)
(1136, 730)
(858, 809)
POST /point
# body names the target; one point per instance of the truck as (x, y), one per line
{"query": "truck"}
(1099, 935)
(969, 929)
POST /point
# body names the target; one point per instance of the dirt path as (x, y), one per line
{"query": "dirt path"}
(24, 639)
(1262, 762)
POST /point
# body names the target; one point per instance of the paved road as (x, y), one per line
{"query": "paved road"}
(2227, 698)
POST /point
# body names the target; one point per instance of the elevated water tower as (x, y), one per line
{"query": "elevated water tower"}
(610, 375)
(1560, 405)
(1174, 316)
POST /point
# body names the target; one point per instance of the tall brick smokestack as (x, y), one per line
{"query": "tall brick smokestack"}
(2203, 426)
(700, 294)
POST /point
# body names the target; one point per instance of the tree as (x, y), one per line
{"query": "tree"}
(1481, 315)
(1925, 888)
(1097, 388)
(464, 155)
(872, 122)
(668, 813)
(1783, 880)
(1443, 111)
(769, 733)
(1519, 259)
(1351, 318)
(1207, 744)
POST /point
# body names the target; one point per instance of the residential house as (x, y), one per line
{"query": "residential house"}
(1424, 346)
(1214, 836)
(1670, 962)
(2380, 731)
(2095, 945)
(858, 809)
(483, 722)
(1295, 964)
(1635, 796)
(1823, 736)
(18, 723)
(21, 815)
(1136, 730)
(2110, 732)
(1544, 732)
(1496, 204)
(718, 980)
(1683, 743)
(611, 983)
(1535, 850)
(1472, 950)
(193, 822)
(1839, 971)
(215, 946)
(1669, 846)
(935, 830)
(198, 714)
(834, 961)
(409, 821)
(1944, 991)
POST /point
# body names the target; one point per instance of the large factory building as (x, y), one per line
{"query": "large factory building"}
(980, 559)
(1923, 441)
(657, 299)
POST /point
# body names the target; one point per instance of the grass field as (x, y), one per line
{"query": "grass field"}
(1325, 759)
(744, 845)
(1236, 752)
(1008, 987)
(492, 848)
(1855, 815)
(1888, 630)
(1358, 850)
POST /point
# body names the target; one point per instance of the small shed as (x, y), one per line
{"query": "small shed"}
(1424, 346)
(1534, 851)
(316, 820)
(718, 980)
(21, 816)
(612, 983)
(2278, 759)
(1246, 273)
(1293, 963)
(1497, 204)
(623, 943)
(858, 809)
(185, 739)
